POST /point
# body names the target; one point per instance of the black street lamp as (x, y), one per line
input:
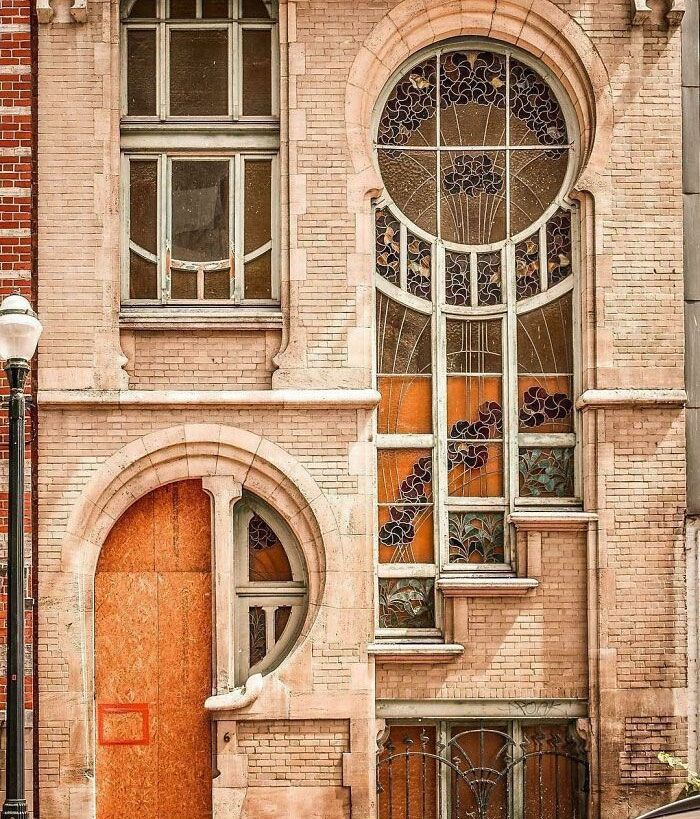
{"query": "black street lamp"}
(684, 809)
(19, 335)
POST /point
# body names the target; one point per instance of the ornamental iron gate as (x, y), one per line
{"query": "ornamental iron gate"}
(536, 771)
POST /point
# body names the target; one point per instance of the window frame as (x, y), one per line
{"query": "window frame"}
(236, 137)
(249, 594)
(508, 312)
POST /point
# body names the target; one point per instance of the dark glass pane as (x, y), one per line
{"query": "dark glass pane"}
(409, 177)
(409, 116)
(535, 115)
(258, 277)
(527, 267)
(408, 773)
(545, 339)
(183, 285)
(215, 9)
(200, 210)
(217, 284)
(474, 346)
(406, 603)
(257, 9)
(258, 204)
(559, 247)
(388, 246)
(476, 538)
(257, 635)
(143, 10)
(198, 73)
(419, 264)
(282, 615)
(267, 559)
(536, 178)
(257, 72)
(143, 204)
(183, 9)
(143, 278)
(473, 196)
(546, 472)
(403, 339)
(473, 98)
(141, 72)
(457, 279)
(488, 278)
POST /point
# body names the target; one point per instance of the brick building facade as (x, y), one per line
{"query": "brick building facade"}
(359, 457)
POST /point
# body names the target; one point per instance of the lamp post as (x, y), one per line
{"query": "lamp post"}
(19, 335)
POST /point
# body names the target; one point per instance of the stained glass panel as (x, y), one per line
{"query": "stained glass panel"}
(406, 603)
(457, 279)
(388, 246)
(476, 537)
(527, 267)
(419, 263)
(474, 346)
(536, 117)
(257, 635)
(546, 472)
(410, 180)
(488, 279)
(473, 197)
(404, 476)
(409, 115)
(559, 247)
(535, 180)
(267, 558)
(473, 98)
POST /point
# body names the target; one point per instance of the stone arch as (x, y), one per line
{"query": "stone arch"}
(539, 27)
(162, 457)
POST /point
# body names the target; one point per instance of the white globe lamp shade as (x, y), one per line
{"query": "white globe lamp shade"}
(19, 329)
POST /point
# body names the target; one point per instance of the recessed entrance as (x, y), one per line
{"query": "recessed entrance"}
(153, 658)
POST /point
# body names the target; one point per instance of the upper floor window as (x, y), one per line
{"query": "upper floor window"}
(200, 141)
(475, 255)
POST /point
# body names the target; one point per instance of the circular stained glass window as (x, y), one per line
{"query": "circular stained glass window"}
(472, 146)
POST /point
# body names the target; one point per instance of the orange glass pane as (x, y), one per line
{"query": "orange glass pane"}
(407, 774)
(404, 475)
(406, 404)
(406, 534)
(545, 403)
(267, 558)
(466, 396)
(476, 470)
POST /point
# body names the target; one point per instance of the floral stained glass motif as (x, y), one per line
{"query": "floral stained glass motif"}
(546, 472)
(473, 197)
(388, 246)
(545, 368)
(257, 634)
(419, 260)
(406, 603)
(404, 368)
(559, 247)
(267, 559)
(405, 506)
(457, 279)
(488, 281)
(408, 118)
(476, 538)
(527, 267)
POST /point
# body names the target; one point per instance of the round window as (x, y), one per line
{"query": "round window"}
(472, 146)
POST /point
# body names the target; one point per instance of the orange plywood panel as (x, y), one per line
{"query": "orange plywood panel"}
(153, 646)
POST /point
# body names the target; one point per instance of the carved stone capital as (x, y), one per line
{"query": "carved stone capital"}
(672, 14)
(48, 11)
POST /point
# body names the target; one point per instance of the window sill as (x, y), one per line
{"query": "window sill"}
(486, 586)
(407, 652)
(200, 318)
(552, 521)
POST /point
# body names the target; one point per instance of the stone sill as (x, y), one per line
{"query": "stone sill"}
(486, 586)
(625, 398)
(199, 318)
(399, 652)
(555, 521)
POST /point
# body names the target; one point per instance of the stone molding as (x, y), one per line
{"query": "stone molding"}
(626, 398)
(231, 399)
(559, 521)
(486, 586)
(642, 12)
(413, 653)
(45, 11)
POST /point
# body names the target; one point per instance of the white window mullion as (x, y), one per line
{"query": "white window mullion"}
(403, 256)
(510, 380)
(238, 211)
(165, 225)
(544, 275)
(440, 487)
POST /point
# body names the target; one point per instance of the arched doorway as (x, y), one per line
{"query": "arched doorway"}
(153, 658)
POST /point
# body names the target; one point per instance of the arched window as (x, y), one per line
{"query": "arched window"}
(271, 588)
(475, 256)
(200, 141)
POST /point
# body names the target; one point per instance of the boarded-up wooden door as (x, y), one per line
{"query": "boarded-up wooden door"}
(153, 656)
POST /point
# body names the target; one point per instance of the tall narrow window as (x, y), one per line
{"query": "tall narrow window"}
(475, 251)
(200, 141)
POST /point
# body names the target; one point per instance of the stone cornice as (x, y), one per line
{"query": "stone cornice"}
(411, 653)
(559, 521)
(624, 398)
(641, 12)
(311, 399)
